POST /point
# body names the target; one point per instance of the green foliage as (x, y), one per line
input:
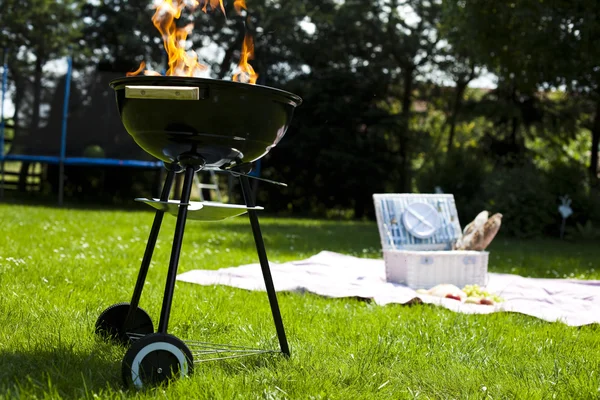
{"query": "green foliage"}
(585, 231)
(119, 35)
(521, 195)
(547, 153)
(335, 154)
(568, 179)
(520, 41)
(526, 195)
(45, 27)
(572, 180)
(461, 173)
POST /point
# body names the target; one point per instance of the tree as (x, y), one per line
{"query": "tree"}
(461, 69)
(355, 126)
(119, 34)
(335, 152)
(279, 39)
(44, 29)
(378, 42)
(409, 47)
(577, 29)
(533, 45)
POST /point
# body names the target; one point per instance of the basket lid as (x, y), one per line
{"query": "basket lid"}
(417, 221)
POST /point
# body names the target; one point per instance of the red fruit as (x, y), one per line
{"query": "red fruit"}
(487, 302)
(453, 296)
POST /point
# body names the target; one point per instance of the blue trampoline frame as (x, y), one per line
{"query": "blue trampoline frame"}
(62, 160)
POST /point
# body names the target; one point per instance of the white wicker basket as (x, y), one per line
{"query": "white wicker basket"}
(425, 269)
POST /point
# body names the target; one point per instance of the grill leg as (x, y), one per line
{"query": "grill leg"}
(158, 217)
(176, 250)
(264, 265)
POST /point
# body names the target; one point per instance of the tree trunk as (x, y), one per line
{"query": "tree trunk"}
(18, 99)
(514, 120)
(359, 207)
(20, 83)
(405, 172)
(37, 94)
(228, 58)
(595, 144)
(236, 45)
(514, 131)
(461, 86)
(35, 118)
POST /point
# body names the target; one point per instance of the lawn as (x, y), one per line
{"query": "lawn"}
(59, 268)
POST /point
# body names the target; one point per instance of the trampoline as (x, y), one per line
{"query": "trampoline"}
(79, 126)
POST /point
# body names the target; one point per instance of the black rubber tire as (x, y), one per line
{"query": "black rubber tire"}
(110, 324)
(156, 359)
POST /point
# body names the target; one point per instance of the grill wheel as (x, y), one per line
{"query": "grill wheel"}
(109, 324)
(156, 359)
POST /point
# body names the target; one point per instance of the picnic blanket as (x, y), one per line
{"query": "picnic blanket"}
(573, 302)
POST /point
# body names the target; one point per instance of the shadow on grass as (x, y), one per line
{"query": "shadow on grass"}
(56, 373)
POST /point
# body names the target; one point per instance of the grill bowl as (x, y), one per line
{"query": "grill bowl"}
(229, 122)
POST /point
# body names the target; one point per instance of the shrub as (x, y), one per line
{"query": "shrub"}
(572, 179)
(521, 195)
(462, 174)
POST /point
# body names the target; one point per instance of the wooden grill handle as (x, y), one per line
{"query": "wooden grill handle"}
(162, 92)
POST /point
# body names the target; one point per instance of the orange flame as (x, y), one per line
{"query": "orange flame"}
(246, 74)
(181, 62)
(137, 71)
(239, 5)
(213, 4)
(185, 63)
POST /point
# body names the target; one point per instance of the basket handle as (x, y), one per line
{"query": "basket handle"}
(469, 260)
(426, 260)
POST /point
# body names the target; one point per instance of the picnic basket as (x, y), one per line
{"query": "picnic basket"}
(417, 232)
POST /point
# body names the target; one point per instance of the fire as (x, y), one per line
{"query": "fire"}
(239, 5)
(246, 74)
(185, 63)
(213, 4)
(181, 62)
(137, 71)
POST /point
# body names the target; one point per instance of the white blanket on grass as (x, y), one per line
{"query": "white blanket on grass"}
(574, 302)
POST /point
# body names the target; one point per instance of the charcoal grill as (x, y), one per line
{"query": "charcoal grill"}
(192, 124)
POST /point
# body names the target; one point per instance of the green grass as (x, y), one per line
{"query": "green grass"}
(60, 268)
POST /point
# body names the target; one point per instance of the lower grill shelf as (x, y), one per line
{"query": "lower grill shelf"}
(204, 351)
(200, 210)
